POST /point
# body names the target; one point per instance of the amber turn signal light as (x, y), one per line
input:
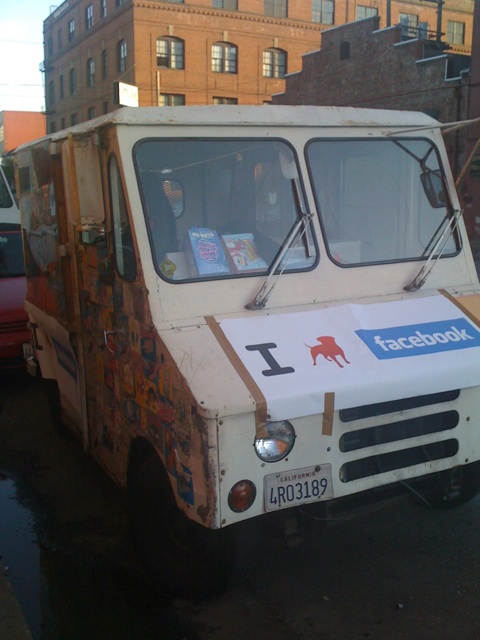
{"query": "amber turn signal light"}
(242, 496)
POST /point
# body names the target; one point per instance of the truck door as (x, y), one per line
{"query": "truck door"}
(82, 226)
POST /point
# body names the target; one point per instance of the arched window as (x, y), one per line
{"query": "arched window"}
(274, 63)
(224, 57)
(90, 72)
(122, 56)
(170, 53)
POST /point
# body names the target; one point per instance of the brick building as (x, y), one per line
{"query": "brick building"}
(361, 65)
(17, 127)
(205, 51)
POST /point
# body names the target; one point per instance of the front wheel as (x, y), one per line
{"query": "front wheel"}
(180, 556)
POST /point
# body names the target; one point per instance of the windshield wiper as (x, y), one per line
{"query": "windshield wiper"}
(266, 289)
(435, 253)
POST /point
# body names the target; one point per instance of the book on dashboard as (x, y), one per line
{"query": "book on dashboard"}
(243, 252)
(207, 250)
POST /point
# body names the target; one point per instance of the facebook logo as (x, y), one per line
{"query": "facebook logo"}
(420, 339)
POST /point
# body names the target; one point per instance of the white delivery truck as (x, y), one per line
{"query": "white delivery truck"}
(254, 310)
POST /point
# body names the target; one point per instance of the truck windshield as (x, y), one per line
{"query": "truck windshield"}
(379, 200)
(220, 207)
(11, 251)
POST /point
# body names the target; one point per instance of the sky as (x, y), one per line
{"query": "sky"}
(21, 53)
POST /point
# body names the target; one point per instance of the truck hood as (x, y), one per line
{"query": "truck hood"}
(288, 364)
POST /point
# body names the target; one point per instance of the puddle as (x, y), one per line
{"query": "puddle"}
(20, 554)
(77, 596)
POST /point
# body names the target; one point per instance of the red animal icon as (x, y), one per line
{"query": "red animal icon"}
(329, 349)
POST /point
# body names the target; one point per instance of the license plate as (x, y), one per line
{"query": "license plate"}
(27, 350)
(298, 486)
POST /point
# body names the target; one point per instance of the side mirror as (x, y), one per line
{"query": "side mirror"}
(434, 188)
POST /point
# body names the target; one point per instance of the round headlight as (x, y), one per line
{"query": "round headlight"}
(277, 443)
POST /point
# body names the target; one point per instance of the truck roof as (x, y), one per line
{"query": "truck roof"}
(264, 115)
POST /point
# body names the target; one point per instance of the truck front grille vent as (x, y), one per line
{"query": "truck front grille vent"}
(382, 408)
(412, 428)
(375, 465)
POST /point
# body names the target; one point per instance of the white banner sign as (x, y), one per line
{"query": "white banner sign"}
(363, 353)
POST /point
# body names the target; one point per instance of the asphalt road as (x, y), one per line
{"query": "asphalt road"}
(404, 572)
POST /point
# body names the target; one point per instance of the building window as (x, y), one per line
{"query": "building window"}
(73, 119)
(224, 57)
(90, 72)
(71, 29)
(455, 32)
(122, 56)
(51, 94)
(323, 11)
(72, 82)
(61, 88)
(105, 107)
(90, 113)
(89, 17)
(170, 53)
(231, 5)
(118, 3)
(278, 8)
(59, 39)
(103, 8)
(409, 22)
(104, 64)
(52, 127)
(62, 123)
(171, 100)
(274, 63)
(217, 101)
(366, 12)
(50, 47)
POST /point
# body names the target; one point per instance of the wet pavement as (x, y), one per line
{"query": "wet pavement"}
(404, 573)
(20, 554)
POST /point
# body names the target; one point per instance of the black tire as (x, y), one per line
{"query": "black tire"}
(53, 398)
(454, 487)
(181, 557)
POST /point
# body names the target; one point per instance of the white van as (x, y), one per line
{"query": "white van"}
(251, 310)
